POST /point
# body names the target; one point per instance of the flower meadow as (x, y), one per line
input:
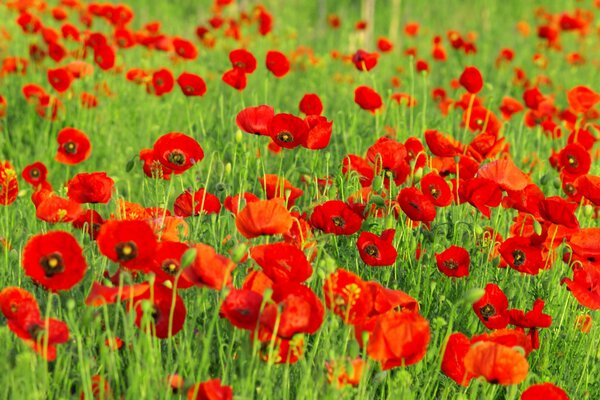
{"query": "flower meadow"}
(234, 199)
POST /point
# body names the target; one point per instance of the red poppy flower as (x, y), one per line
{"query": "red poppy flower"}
(347, 296)
(263, 217)
(188, 204)
(385, 299)
(510, 106)
(544, 391)
(129, 242)
(297, 310)
(588, 186)
(210, 390)
(277, 63)
(441, 145)
(255, 120)
(399, 339)
(506, 174)
(152, 167)
(454, 261)
(282, 262)
(73, 146)
(388, 157)
(177, 151)
(319, 132)
(241, 307)
(191, 84)
(585, 286)
(492, 308)
(54, 260)
(95, 187)
(288, 131)
(89, 221)
(522, 255)
(582, 98)
(235, 203)
(53, 209)
(531, 319)
(9, 185)
(167, 312)
(367, 98)
(236, 78)
(497, 363)
(559, 211)
(279, 187)
(185, 49)
(60, 79)
(243, 60)
(481, 193)
(416, 205)
(104, 56)
(209, 268)
(162, 81)
(311, 104)
(436, 189)
(453, 361)
(336, 216)
(384, 45)
(471, 80)
(364, 61)
(167, 263)
(377, 251)
(575, 160)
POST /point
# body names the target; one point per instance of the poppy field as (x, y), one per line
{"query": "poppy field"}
(234, 199)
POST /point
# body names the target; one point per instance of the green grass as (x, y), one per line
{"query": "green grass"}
(209, 347)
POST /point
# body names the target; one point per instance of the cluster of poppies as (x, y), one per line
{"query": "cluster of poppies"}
(285, 278)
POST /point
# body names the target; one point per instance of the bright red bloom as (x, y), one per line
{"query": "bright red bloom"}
(347, 296)
(90, 221)
(481, 193)
(255, 120)
(497, 363)
(384, 45)
(454, 261)
(389, 157)
(241, 307)
(416, 205)
(288, 131)
(441, 145)
(311, 104)
(492, 308)
(129, 242)
(436, 189)
(582, 99)
(575, 160)
(95, 187)
(531, 319)
(236, 78)
(453, 362)
(544, 391)
(335, 216)
(243, 60)
(559, 211)
(162, 81)
(263, 217)
(279, 187)
(167, 312)
(188, 204)
(367, 98)
(104, 56)
(282, 262)
(585, 286)
(399, 339)
(9, 185)
(209, 268)
(471, 80)
(73, 146)
(364, 61)
(177, 151)
(185, 49)
(153, 168)
(210, 390)
(60, 79)
(191, 84)
(277, 63)
(506, 174)
(522, 255)
(167, 263)
(377, 251)
(319, 132)
(53, 208)
(235, 203)
(54, 260)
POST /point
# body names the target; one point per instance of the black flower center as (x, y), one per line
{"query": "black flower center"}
(126, 251)
(34, 173)
(338, 221)
(451, 264)
(176, 157)
(70, 147)
(572, 161)
(518, 258)
(487, 311)
(285, 137)
(372, 250)
(170, 266)
(435, 192)
(52, 264)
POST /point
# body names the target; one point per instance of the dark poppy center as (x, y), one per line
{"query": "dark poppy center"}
(34, 173)
(176, 157)
(479, 122)
(170, 266)
(338, 221)
(52, 264)
(239, 64)
(487, 311)
(518, 257)
(285, 137)
(36, 331)
(451, 264)
(70, 147)
(372, 250)
(189, 89)
(126, 251)
(572, 161)
(435, 192)
(570, 189)
(388, 173)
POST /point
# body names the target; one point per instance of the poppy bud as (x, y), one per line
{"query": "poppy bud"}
(238, 136)
(239, 252)
(188, 258)
(378, 183)
(228, 168)
(588, 210)
(473, 295)
(378, 200)
(537, 227)
(556, 183)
